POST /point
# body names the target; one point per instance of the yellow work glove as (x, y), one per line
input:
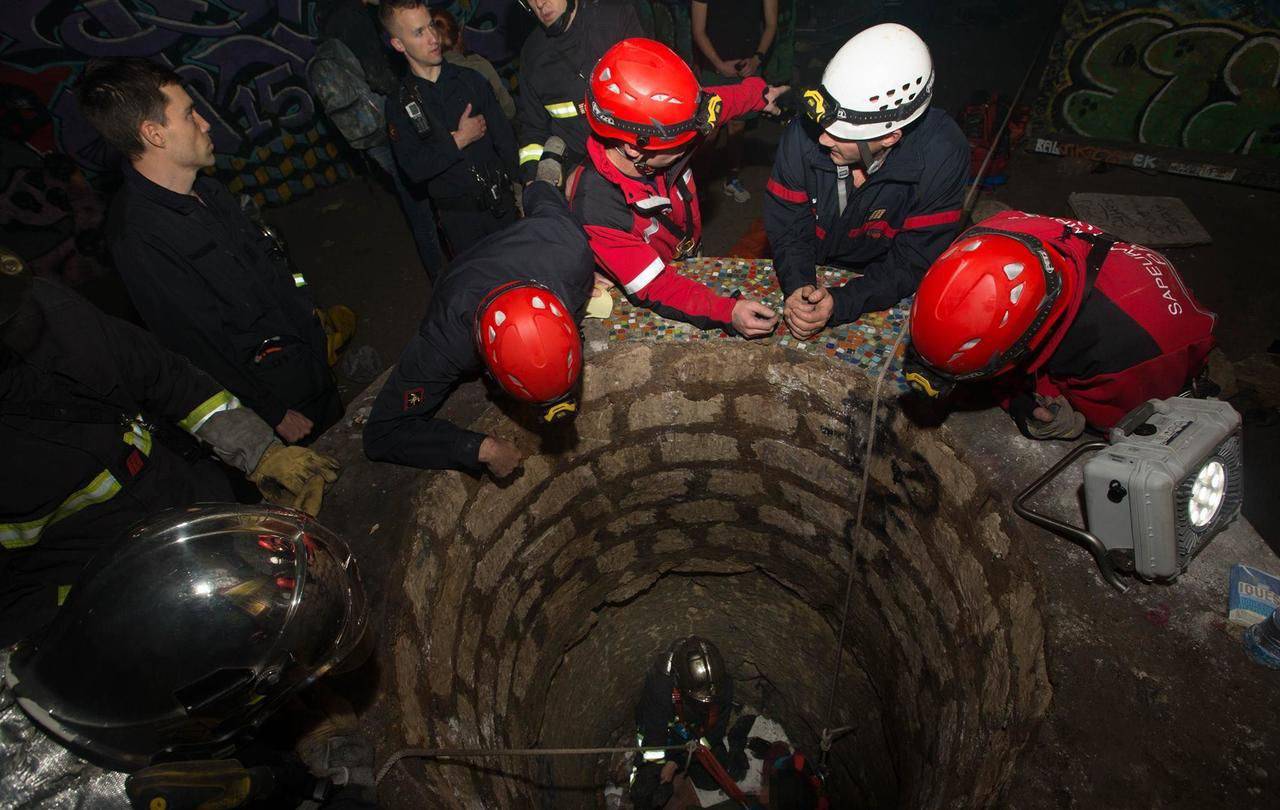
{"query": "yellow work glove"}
(294, 476)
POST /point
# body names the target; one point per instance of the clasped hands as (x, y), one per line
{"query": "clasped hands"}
(807, 311)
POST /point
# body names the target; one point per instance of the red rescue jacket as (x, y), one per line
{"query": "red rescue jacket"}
(1133, 332)
(635, 225)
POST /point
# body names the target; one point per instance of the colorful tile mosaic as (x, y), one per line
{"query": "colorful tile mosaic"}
(864, 344)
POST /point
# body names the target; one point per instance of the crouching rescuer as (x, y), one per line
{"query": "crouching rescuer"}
(1067, 325)
(510, 306)
(88, 404)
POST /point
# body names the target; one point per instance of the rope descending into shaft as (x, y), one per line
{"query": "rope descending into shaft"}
(828, 734)
(484, 753)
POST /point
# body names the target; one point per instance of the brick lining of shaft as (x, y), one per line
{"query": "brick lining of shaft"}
(710, 488)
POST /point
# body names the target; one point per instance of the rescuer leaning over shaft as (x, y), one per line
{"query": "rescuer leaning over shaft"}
(511, 305)
(871, 180)
(1068, 324)
(635, 195)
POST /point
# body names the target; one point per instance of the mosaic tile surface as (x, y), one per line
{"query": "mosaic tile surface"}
(863, 344)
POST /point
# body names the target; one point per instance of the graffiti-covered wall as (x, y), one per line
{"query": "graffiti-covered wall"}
(1192, 74)
(242, 60)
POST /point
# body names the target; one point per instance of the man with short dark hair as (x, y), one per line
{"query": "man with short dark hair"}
(448, 134)
(207, 281)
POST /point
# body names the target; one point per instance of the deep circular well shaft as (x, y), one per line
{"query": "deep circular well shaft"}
(713, 489)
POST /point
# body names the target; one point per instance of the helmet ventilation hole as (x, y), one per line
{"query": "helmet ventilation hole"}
(538, 303)
(613, 88)
(890, 93)
(1005, 318)
(906, 86)
(568, 362)
(606, 74)
(1016, 293)
(492, 334)
(659, 97)
(969, 344)
(972, 246)
(874, 99)
(919, 79)
(499, 317)
(1013, 270)
(555, 310)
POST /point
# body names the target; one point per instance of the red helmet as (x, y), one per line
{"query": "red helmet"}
(992, 297)
(530, 342)
(642, 93)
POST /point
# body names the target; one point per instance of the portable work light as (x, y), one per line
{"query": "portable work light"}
(1169, 479)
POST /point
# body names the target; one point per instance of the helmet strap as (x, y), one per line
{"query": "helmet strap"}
(870, 163)
(641, 163)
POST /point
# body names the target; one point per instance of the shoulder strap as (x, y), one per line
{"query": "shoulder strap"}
(571, 185)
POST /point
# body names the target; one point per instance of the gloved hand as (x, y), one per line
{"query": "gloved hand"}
(294, 476)
(549, 168)
(1028, 411)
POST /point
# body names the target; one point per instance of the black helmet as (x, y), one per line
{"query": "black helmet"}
(191, 629)
(698, 669)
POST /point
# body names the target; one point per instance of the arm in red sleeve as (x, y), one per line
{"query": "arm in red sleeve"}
(742, 98)
(655, 284)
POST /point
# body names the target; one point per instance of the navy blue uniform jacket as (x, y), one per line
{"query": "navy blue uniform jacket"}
(893, 227)
(548, 247)
(435, 163)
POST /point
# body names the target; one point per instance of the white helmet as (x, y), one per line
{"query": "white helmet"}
(878, 82)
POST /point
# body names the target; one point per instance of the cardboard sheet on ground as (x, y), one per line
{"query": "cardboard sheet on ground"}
(1150, 221)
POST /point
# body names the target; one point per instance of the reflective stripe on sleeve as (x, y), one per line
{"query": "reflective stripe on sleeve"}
(531, 152)
(563, 109)
(644, 277)
(139, 437)
(102, 488)
(221, 401)
(298, 280)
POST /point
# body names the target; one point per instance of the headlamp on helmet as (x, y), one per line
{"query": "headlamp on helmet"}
(824, 110)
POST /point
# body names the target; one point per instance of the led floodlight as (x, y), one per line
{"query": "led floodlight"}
(1169, 479)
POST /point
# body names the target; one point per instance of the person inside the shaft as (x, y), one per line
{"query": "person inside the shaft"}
(687, 696)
